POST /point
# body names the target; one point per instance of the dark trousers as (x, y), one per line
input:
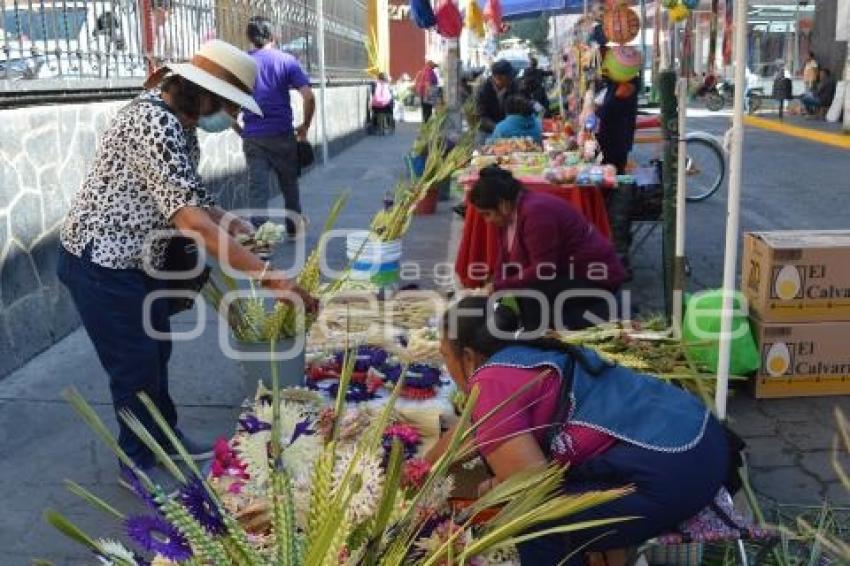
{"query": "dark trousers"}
(575, 310)
(670, 488)
(376, 112)
(110, 303)
(427, 110)
(274, 157)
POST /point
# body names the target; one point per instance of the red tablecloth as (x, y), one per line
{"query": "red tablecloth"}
(479, 243)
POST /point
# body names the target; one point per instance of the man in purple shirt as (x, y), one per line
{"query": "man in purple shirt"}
(270, 141)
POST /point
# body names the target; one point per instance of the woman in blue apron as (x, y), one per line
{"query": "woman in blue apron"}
(613, 427)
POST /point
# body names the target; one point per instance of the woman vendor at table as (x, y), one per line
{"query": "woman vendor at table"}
(552, 402)
(549, 247)
(520, 121)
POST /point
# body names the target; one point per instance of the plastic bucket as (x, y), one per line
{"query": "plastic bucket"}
(428, 205)
(373, 260)
(290, 371)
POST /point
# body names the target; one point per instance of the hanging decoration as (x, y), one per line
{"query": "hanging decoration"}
(474, 18)
(678, 13)
(493, 16)
(712, 37)
(449, 19)
(422, 14)
(620, 23)
(621, 63)
(690, 4)
(727, 34)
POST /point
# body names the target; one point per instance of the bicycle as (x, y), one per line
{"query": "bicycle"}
(705, 163)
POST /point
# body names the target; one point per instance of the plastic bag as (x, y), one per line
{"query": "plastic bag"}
(701, 331)
(449, 19)
(493, 14)
(422, 14)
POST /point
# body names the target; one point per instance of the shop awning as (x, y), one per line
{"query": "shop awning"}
(517, 9)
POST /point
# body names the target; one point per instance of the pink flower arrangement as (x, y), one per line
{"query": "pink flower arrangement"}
(414, 472)
(226, 462)
(407, 434)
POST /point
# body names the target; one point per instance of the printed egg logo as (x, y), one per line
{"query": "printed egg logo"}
(787, 283)
(778, 359)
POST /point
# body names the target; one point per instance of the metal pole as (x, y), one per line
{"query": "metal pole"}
(733, 212)
(643, 24)
(681, 203)
(796, 53)
(556, 61)
(323, 79)
(846, 126)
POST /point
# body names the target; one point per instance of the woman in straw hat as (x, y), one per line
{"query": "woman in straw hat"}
(144, 180)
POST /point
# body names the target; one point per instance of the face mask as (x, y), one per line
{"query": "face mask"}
(217, 122)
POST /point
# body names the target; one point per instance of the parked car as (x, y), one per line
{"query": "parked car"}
(96, 39)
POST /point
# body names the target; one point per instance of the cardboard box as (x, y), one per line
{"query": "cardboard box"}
(797, 276)
(802, 359)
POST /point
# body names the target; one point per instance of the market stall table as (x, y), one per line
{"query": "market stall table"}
(479, 244)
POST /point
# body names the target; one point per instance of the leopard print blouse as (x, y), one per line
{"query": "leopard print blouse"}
(144, 171)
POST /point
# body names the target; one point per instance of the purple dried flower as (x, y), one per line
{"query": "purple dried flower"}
(392, 372)
(197, 501)
(422, 376)
(366, 357)
(252, 425)
(129, 477)
(158, 536)
(302, 427)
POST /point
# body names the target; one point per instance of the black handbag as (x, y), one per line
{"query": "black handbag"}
(306, 156)
(181, 255)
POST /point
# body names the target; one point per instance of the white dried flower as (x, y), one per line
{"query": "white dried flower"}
(114, 550)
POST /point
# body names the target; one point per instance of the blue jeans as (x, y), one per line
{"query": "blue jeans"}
(110, 303)
(269, 158)
(669, 489)
(811, 102)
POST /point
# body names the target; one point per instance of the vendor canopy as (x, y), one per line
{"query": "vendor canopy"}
(516, 9)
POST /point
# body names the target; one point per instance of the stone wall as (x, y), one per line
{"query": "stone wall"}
(44, 154)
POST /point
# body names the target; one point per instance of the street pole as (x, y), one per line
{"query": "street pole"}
(733, 212)
(846, 127)
(643, 24)
(323, 78)
(556, 61)
(681, 191)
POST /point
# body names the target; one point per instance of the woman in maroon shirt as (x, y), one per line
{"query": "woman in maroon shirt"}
(548, 247)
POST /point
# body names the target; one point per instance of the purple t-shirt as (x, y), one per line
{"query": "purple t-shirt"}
(277, 74)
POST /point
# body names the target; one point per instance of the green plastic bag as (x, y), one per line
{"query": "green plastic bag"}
(701, 331)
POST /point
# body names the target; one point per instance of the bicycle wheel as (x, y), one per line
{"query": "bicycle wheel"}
(705, 167)
(713, 101)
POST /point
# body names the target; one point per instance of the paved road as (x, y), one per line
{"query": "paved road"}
(788, 184)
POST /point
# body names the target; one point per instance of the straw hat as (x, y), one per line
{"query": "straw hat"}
(220, 68)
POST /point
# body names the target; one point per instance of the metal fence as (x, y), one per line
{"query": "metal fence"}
(70, 40)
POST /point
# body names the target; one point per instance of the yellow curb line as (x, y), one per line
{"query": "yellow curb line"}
(837, 140)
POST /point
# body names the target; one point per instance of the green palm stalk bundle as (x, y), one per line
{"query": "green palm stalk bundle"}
(335, 531)
(431, 129)
(248, 317)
